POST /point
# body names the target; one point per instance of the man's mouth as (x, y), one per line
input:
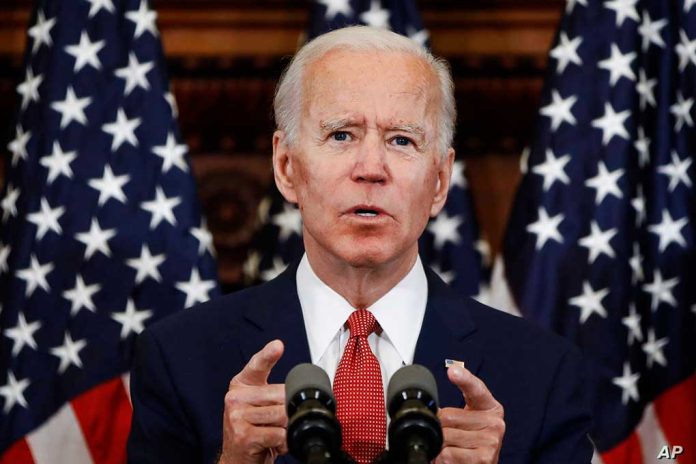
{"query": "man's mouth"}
(367, 211)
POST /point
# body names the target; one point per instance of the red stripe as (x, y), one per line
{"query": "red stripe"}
(676, 411)
(18, 453)
(104, 414)
(626, 452)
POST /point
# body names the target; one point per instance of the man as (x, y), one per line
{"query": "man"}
(363, 147)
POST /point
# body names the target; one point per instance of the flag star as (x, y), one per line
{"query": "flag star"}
(650, 30)
(636, 263)
(546, 228)
(559, 110)
(9, 203)
(484, 249)
(18, 146)
(85, 52)
(597, 242)
(22, 334)
(197, 290)
(172, 154)
(110, 186)
(447, 276)
(686, 49)
(676, 171)
(122, 130)
(275, 270)
(590, 302)
(623, 9)
(334, 7)
(566, 52)
(642, 145)
(35, 276)
(69, 353)
(135, 74)
(171, 101)
(146, 265)
(688, 4)
(524, 160)
(669, 230)
(653, 350)
(46, 219)
(263, 209)
(97, 5)
(376, 16)
(41, 31)
(570, 5)
(251, 266)
(132, 320)
(632, 323)
(553, 169)
(628, 384)
(420, 37)
(4, 255)
(96, 239)
(13, 392)
(144, 19)
(682, 111)
(80, 296)
(458, 178)
(204, 237)
(161, 208)
(72, 108)
(618, 65)
(29, 88)
(445, 228)
(606, 182)
(612, 123)
(645, 90)
(289, 221)
(58, 163)
(661, 291)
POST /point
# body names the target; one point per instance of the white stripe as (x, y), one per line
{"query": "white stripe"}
(60, 439)
(596, 458)
(499, 295)
(125, 378)
(652, 439)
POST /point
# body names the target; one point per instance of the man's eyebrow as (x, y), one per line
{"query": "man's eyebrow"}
(412, 128)
(336, 124)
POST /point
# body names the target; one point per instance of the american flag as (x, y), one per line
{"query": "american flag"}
(101, 230)
(450, 243)
(600, 244)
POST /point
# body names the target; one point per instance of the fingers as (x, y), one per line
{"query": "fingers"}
(265, 395)
(467, 439)
(475, 392)
(259, 366)
(266, 415)
(467, 419)
(251, 440)
(450, 455)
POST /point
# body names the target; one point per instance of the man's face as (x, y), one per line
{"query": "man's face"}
(365, 170)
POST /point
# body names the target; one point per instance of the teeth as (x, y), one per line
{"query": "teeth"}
(367, 214)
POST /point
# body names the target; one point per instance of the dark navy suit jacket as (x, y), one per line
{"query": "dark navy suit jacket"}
(183, 366)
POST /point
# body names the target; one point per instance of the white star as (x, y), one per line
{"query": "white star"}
(559, 110)
(146, 265)
(273, 272)
(80, 296)
(669, 230)
(144, 19)
(653, 350)
(570, 5)
(524, 160)
(632, 323)
(85, 52)
(458, 178)
(29, 89)
(661, 291)
(13, 392)
(41, 31)
(161, 208)
(484, 249)
(645, 89)
(96, 239)
(651, 31)
(35, 276)
(445, 228)
(618, 65)
(69, 353)
(18, 146)
(110, 186)
(334, 7)
(628, 383)
(46, 219)
(22, 334)
(688, 4)
(376, 16)
(686, 49)
(132, 320)
(171, 101)
(58, 163)
(612, 123)
(597, 242)
(590, 302)
(251, 266)
(682, 111)
(197, 290)
(447, 276)
(566, 52)
(642, 145)
(676, 171)
(72, 108)
(553, 169)
(605, 182)
(172, 154)
(4, 255)
(204, 237)
(97, 5)
(122, 130)
(420, 37)
(135, 74)
(289, 221)
(9, 203)
(636, 263)
(546, 228)
(624, 9)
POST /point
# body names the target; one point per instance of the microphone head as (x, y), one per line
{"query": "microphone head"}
(415, 378)
(307, 376)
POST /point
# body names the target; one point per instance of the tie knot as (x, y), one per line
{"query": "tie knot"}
(361, 323)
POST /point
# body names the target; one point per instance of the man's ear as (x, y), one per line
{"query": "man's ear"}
(283, 169)
(444, 175)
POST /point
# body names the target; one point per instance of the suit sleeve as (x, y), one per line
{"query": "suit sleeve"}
(567, 418)
(160, 431)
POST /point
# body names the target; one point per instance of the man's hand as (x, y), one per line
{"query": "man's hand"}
(474, 433)
(254, 422)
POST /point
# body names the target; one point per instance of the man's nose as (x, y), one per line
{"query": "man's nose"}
(371, 161)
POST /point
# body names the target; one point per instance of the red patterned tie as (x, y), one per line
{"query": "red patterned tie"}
(359, 392)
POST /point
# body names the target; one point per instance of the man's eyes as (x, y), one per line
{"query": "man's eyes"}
(344, 136)
(402, 141)
(340, 136)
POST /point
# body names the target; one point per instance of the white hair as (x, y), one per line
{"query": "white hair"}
(287, 104)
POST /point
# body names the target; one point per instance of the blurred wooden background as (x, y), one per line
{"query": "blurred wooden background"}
(224, 57)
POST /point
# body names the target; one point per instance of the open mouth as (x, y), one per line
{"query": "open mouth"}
(366, 212)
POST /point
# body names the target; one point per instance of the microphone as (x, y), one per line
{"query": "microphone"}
(314, 434)
(415, 433)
